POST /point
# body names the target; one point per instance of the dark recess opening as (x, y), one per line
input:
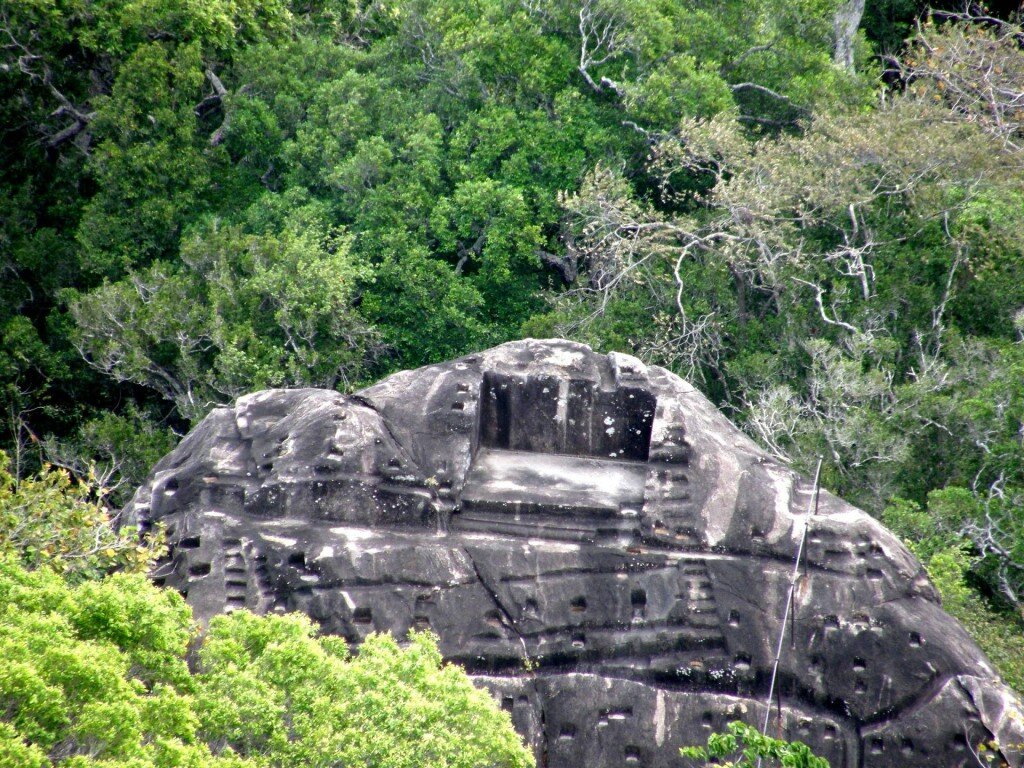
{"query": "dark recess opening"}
(362, 615)
(541, 414)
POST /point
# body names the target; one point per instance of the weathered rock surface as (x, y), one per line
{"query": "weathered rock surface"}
(595, 542)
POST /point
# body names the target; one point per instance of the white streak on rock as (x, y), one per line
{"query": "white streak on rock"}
(659, 718)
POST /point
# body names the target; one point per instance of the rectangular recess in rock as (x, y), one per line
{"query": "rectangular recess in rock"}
(579, 407)
(621, 423)
(535, 425)
(547, 414)
(495, 410)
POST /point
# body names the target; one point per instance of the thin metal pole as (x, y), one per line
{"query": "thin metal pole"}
(812, 509)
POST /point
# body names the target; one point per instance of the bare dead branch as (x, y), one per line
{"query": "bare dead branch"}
(603, 37)
(819, 294)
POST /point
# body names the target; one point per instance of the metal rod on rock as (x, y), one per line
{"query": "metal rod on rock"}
(812, 509)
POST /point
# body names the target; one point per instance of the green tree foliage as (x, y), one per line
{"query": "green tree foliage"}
(743, 746)
(60, 523)
(108, 111)
(96, 666)
(934, 535)
(117, 449)
(151, 140)
(280, 696)
(148, 163)
(237, 311)
(95, 676)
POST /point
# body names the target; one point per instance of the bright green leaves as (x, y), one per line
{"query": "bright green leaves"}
(18, 753)
(154, 96)
(94, 676)
(76, 660)
(151, 627)
(280, 304)
(53, 521)
(743, 746)
(376, 157)
(785, 47)
(125, 78)
(273, 692)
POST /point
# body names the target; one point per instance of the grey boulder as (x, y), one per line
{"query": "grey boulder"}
(596, 544)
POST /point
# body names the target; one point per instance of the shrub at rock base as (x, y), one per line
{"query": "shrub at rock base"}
(95, 675)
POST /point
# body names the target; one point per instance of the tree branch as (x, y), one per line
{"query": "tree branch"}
(819, 300)
(736, 87)
(220, 94)
(26, 61)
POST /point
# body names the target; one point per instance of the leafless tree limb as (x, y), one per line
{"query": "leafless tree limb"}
(37, 70)
(603, 38)
(767, 92)
(819, 294)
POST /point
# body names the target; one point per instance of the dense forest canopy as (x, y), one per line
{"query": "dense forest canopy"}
(811, 209)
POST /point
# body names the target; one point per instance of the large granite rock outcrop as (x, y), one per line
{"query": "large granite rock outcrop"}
(598, 546)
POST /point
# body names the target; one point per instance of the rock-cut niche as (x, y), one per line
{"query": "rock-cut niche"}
(551, 449)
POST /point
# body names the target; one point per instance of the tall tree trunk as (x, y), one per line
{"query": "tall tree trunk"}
(845, 24)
